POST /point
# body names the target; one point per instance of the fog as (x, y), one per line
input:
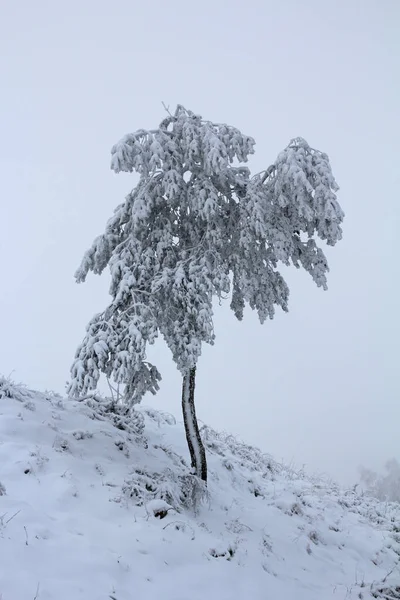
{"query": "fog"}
(317, 386)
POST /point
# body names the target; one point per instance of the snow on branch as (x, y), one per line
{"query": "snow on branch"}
(196, 227)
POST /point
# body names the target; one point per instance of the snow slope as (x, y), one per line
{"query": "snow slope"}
(93, 507)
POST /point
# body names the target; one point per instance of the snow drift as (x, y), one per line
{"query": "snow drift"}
(97, 503)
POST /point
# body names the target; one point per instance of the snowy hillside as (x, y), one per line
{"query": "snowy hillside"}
(95, 506)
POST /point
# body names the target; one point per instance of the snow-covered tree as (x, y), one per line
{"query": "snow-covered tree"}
(385, 487)
(197, 227)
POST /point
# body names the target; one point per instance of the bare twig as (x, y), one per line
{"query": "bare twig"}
(26, 536)
(111, 390)
(167, 109)
(14, 515)
(390, 572)
(37, 592)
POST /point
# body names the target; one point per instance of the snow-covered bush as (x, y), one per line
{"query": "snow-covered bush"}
(181, 489)
(123, 416)
(9, 389)
(237, 453)
(385, 591)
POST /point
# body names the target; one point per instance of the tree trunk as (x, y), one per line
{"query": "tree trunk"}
(196, 448)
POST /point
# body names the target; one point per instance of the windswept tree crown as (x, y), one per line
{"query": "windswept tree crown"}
(199, 226)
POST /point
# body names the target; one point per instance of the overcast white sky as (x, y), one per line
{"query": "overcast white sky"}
(317, 385)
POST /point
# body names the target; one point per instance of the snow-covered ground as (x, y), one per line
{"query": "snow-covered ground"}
(93, 507)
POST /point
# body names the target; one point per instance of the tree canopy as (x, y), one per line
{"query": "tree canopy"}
(196, 227)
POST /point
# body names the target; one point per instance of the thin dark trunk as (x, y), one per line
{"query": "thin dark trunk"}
(196, 448)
